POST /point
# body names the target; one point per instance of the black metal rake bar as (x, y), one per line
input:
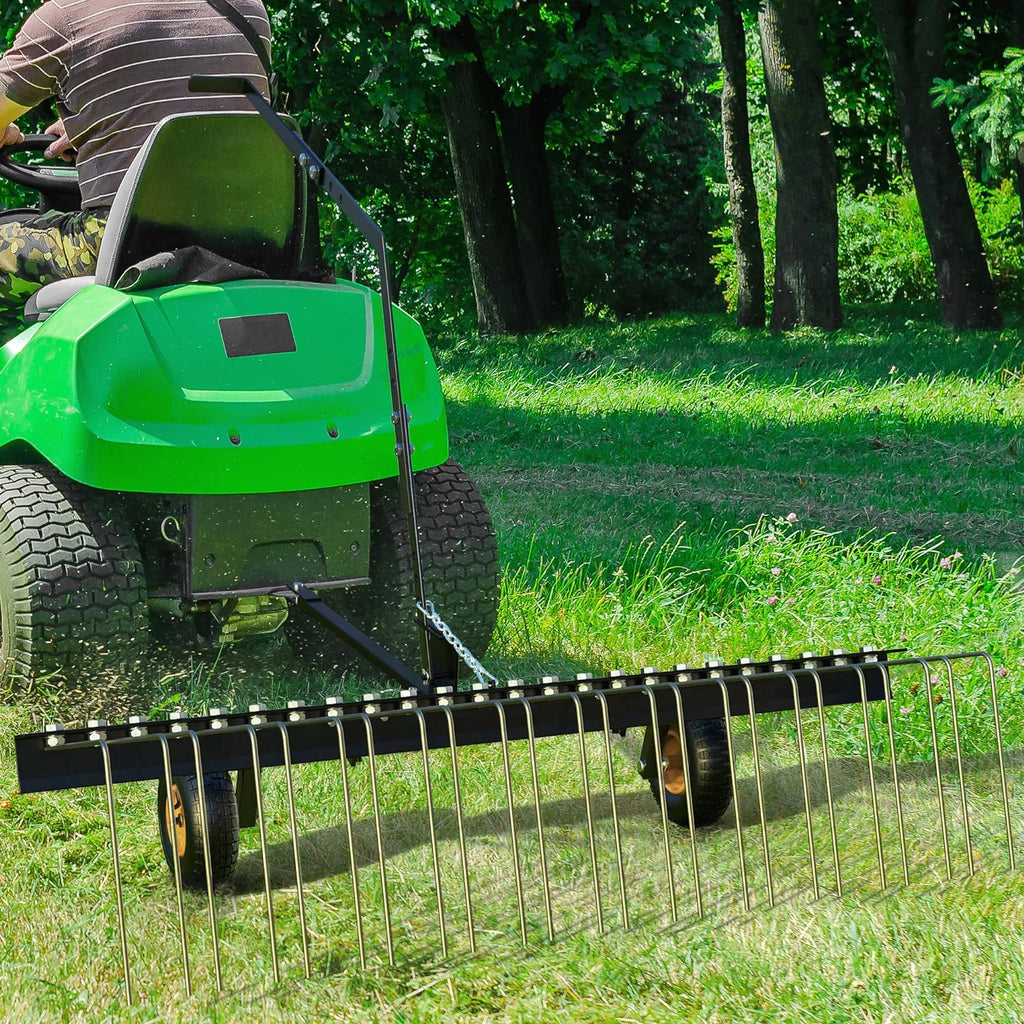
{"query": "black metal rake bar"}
(59, 758)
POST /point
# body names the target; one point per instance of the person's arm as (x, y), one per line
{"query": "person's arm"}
(9, 110)
(32, 70)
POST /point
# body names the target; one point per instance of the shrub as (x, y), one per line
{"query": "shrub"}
(883, 252)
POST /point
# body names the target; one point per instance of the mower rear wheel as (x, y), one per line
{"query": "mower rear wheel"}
(458, 560)
(72, 589)
(710, 772)
(181, 831)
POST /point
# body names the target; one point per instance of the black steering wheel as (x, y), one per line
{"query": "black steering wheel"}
(58, 180)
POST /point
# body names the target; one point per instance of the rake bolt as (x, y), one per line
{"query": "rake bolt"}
(138, 727)
(54, 737)
(178, 721)
(98, 727)
(255, 714)
(295, 712)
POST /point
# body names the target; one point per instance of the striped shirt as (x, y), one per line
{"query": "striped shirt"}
(118, 67)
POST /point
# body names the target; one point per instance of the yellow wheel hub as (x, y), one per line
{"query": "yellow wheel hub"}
(673, 776)
(175, 816)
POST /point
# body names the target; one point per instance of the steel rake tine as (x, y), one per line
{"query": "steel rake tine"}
(422, 722)
(687, 785)
(1004, 787)
(938, 766)
(261, 821)
(656, 733)
(293, 828)
(513, 833)
(456, 785)
(165, 752)
(119, 890)
(606, 723)
(871, 774)
(371, 756)
(353, 867)
(887, 691)
(959, 765)
(769, 883)
(727, 708)
(828, 780)
(802, 754)
(532, 743)
(204, 827)
(589, 811)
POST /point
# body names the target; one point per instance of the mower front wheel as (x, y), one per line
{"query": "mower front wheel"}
(707, 751)
(181, 828)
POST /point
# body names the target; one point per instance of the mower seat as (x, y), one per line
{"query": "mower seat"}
(222, 181)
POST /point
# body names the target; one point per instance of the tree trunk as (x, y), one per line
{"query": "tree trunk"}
(913, 33)
(807, 222)
(523, 129)
(485, 205)
(746, 229)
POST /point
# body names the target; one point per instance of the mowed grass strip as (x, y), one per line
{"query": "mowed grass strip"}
(644, 481)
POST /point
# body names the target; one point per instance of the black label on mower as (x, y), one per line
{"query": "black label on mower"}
(257, 335)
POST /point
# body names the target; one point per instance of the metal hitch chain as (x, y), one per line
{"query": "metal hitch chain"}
(470, 659)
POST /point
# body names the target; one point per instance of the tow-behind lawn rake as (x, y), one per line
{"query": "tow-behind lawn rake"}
(444, 815)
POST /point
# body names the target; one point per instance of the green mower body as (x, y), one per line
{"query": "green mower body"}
(143, 392)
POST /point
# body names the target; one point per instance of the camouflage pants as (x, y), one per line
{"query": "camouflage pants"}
(37, 248)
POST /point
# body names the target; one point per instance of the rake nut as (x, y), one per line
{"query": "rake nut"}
(137, 725)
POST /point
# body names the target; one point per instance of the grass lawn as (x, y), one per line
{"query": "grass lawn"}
(663, 492)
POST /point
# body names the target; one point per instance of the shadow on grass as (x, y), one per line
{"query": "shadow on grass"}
(325, 853)
(861, 352)
(850, 473)
(853, 467)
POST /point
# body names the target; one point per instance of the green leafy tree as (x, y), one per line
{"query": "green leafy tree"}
(990, 112)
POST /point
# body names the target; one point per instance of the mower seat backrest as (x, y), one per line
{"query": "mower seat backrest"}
(222, 181)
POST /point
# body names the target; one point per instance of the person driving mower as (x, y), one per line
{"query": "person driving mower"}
(115, 69)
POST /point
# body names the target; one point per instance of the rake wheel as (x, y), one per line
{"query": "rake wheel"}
(72, 589)
(710, 772)
(181, 832)
(458, 560)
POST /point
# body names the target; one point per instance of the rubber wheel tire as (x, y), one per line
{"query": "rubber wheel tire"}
(710, 772)
(458, 560)
(72, 588)
(187, 843)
